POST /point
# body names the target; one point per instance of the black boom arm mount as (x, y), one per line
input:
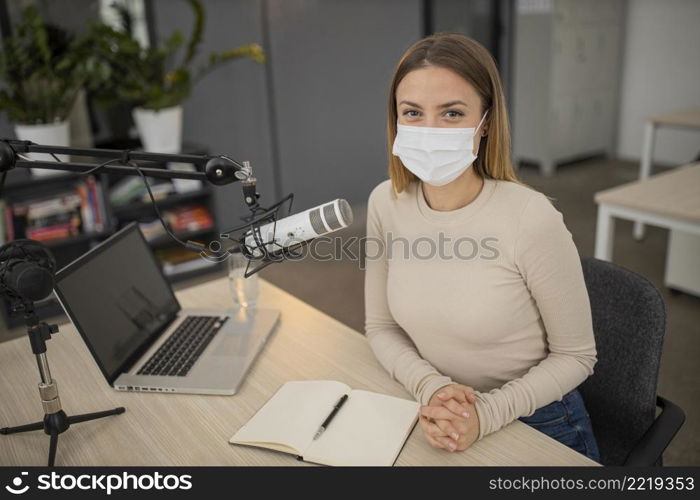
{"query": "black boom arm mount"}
(216, 170)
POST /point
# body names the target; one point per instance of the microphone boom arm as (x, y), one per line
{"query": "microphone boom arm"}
(218, 170)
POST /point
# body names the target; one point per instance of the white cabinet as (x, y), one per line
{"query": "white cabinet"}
(566, 79)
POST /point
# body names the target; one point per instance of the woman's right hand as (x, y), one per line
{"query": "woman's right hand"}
(451, 407)
(453, 397)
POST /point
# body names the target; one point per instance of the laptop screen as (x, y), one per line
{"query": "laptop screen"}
(118, 299)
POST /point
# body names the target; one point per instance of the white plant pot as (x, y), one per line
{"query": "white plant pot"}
(51, 134)
(160, 131)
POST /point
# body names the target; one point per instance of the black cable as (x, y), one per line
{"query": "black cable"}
(148, 188)
(191, 245)
(95, 169)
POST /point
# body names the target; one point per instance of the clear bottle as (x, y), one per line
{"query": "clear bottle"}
(244, 291)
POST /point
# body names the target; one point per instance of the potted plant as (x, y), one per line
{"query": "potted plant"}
(43, 69)
(148, 79)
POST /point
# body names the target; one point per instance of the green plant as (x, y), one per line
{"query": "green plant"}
(42, 69)
(149, 77)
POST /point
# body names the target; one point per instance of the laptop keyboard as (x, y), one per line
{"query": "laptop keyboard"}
(177, 355)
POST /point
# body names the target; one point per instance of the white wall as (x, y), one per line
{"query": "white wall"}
(661, 73)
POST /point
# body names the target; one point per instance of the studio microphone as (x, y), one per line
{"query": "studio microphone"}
(276, 236)
(26, 270)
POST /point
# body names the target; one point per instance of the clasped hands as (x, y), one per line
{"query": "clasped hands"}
(450, 420)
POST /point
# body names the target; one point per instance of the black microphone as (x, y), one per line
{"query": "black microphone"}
(30, 280)
(26, 270)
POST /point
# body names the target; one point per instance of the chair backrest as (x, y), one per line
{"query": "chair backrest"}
(629, 322)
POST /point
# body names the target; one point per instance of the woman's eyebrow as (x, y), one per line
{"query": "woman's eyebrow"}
(409, 103)
(452, 103)
(446, 105)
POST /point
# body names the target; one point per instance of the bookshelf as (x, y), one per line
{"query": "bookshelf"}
(23, 190)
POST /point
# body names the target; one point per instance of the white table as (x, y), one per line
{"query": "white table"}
(689, 118)
(670, 200)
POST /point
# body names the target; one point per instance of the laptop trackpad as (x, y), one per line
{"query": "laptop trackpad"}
(243, 333)
(232, 344)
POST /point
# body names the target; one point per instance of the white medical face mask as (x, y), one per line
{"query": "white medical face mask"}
(436, 155)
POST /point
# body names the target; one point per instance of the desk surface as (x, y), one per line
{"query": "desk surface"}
(682, 118)
(675, 194)
(178, 429)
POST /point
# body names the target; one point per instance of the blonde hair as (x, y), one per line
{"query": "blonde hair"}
(474, 63)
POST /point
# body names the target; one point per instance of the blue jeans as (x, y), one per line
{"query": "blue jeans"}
(568, 422)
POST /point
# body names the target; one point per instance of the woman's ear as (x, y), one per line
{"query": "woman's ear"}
(485, 125)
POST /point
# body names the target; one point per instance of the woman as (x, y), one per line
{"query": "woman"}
(477, 280)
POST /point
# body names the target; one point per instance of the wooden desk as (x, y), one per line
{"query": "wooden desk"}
(687, 118)
(177, 429)
(670, 200)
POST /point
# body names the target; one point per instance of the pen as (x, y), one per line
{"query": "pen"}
(327, 422)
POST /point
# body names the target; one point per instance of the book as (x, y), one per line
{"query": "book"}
(125, 189)
(131, 189)
(56, 232)
(65, 214)
(151, 230)
(175, 255)
(85, 212)
(185, 185)
(9, 223)
(3, 221)
(60, 204)
(369, 429)
(160, 192)
(95, 209)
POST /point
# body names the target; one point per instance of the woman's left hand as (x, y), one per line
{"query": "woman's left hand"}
(450, 420)
(437, 422)
(454, 396)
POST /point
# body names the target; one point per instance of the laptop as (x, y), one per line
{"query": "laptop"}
(120, 301)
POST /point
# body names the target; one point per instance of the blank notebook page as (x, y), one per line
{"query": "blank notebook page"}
(370, 429)
(292, 416)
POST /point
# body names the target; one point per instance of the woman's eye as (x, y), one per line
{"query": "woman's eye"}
(409, 111)
(454, 114)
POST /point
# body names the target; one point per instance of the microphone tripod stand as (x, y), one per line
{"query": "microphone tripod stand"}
(55, 419)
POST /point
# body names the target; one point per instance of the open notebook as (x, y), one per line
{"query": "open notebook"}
(369, 429)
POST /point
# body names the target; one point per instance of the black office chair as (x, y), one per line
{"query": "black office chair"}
(629, 323)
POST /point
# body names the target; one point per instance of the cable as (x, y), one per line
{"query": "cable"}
(190, 245)
(95, 169)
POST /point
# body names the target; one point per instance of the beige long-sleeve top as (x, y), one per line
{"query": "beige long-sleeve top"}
(490, 295)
